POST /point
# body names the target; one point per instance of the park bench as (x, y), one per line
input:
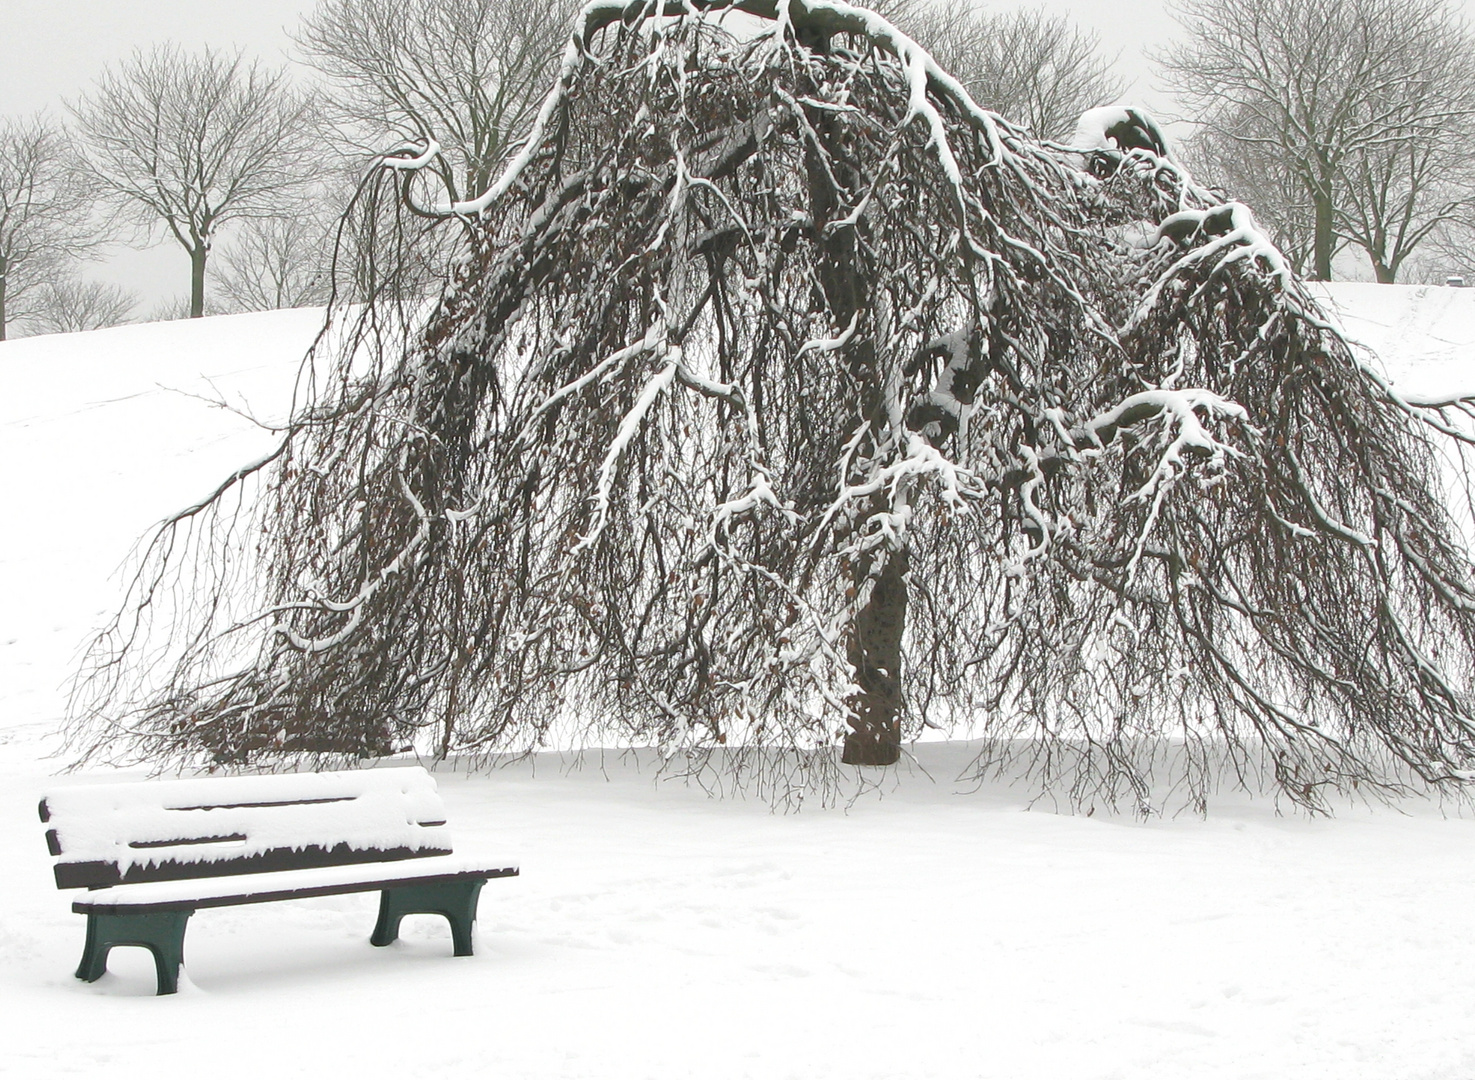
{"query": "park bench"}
(152, 853)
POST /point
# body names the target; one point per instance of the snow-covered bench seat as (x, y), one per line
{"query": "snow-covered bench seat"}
(153, 853)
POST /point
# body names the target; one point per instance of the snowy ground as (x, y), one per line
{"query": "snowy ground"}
(659, 933)
(1424, 335)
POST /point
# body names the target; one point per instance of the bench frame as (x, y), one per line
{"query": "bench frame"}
(160, 932)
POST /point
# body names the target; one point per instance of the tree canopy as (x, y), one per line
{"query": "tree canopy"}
(780, 397)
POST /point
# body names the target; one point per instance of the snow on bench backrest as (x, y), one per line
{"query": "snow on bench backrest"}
(105, 834)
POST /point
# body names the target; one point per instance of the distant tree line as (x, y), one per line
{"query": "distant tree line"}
(228, 157)
(1345, 124)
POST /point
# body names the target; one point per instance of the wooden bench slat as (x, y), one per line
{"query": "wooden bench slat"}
(98, 875)
(230, 838)
(285, 885)
(256, 805)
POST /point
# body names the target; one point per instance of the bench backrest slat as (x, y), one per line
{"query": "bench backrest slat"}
(106, 834)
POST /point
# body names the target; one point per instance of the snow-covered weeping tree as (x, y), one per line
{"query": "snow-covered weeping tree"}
(781, 395)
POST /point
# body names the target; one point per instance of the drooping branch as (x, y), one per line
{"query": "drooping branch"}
(781, 395)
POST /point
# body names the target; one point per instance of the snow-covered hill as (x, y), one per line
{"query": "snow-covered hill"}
(938, 931)
(101, 435)
(1424, 335)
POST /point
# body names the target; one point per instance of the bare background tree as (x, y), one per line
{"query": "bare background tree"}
(1035, 68)
(1367, 147)
(1361, 109)
(1449, 252)
(279, 262)
(45, 212)
(1264, 181)
(466, 73)
(1400, 194)
(69, 305)
(171, 309)
(192, 142)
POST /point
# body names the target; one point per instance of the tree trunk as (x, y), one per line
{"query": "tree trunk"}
(1386, 275)
(874, 645)
(197, 258)
(1324, 236)
(874, 650)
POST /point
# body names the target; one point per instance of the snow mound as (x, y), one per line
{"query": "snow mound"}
(1119, 127)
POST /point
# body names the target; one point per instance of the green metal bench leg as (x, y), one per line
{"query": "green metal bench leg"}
(160, 932)
(456, 900)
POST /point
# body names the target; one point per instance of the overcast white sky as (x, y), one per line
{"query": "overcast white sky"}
(51, 50)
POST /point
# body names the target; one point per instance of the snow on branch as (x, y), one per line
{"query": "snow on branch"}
(1215, 239)
(409, 158)
(654, 388)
